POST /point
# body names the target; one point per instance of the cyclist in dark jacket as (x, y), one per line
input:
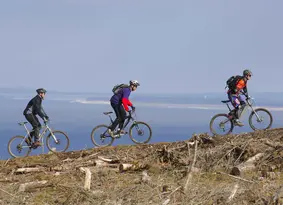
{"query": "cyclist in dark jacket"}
(32, 109)
(120, 103)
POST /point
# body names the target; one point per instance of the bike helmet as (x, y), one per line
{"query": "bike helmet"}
(247, 72)
(41, 90)
(134, 82)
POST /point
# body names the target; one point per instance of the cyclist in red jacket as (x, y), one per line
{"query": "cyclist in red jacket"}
(236, 98)
(120, 103)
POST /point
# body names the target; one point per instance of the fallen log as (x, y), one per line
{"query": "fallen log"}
(57, 168)
(29, 169)
(100, 163)
(272, 144)
(32, 185)
(87, 177)
(89, 163)
(132, 167)
(108, 160)
(247, 165)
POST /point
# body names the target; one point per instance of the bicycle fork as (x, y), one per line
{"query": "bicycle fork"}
(257, 116)
(55, 139)
(140, 131)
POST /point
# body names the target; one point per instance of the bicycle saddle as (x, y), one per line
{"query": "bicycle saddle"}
(107, 113)
(225, 101)
(22, 123)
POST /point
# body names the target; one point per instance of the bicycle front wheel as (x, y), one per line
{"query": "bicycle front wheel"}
(59, 142)
(144, 132)
(17, 147)
(221, 124)
(261, 116)
(100, 137)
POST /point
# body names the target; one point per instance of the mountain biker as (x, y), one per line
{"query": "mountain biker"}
(32, 109)
(120, 103)
(235, 95)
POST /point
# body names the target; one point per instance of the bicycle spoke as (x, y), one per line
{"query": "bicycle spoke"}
(140, 132)
(17, 147)
(260, 119)
(221, 124)
(57, 141)
(100, 137)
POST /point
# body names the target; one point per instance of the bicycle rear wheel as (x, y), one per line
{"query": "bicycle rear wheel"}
(17, 147)
(140, 132)
(100, 137)
(258, 115)
(61, 138)
(223, 127)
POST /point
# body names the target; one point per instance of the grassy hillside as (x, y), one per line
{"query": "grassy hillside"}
(234, 169)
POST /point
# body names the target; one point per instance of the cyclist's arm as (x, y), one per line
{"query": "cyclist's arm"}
(245, 90)
(125, 99)
(39, 110)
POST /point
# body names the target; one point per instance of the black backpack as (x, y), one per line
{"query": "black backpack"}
(118, 87)
(232, 81)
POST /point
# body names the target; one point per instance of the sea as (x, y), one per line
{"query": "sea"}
(172, 117)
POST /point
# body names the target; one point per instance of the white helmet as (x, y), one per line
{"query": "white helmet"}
(134, 82)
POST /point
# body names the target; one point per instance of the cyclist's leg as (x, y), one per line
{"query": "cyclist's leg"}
(242, 104)
(38, 127)
(30, 119)
(116, 121)
(232, 112)
(35, 125)
(236, 104)
(242, 100)
(122, 117)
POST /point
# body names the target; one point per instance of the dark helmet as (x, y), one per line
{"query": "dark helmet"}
(41, 90)
(247, 72)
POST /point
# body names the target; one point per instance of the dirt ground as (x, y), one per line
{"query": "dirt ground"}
(233, 169)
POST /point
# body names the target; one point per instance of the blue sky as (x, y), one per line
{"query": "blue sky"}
(169, 46)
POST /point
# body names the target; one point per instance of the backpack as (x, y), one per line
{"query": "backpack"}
(232, 81)
(118, 87)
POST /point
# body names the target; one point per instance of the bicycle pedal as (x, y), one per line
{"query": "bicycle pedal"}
(116, 136)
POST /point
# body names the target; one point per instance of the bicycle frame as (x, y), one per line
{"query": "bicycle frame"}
(42, 134)
(249, 103)
(127, 120)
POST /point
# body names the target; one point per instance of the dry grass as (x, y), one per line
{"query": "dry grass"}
(167, 166)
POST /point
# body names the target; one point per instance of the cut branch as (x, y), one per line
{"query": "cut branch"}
(273, 145)
(233, 192)
(108, 160)
(235, 177)
(30, 169)
(32, 185)
(132, 167)
(87, 177)
(190, 171)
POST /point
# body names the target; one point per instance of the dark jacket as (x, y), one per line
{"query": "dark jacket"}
(34, 107)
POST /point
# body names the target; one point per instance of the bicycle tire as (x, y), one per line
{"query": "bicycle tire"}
(212, 121)
(50, 137)
(264, 110)
(96, 143)
(131, 133)
(9, 147)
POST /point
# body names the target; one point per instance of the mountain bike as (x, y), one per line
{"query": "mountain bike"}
(23, 144)
(105, 139)
(227, 123)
